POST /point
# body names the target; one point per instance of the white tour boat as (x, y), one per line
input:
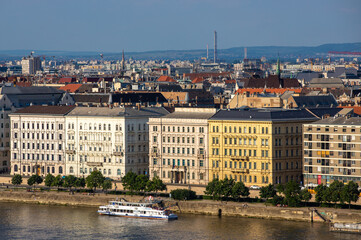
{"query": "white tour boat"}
(147, 209)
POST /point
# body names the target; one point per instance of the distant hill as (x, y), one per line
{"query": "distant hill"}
(230, 54)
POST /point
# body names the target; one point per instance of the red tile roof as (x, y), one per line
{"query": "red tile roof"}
(67, 80)
(356, 109)
(72, 88)
(165, 79)
(198, 80)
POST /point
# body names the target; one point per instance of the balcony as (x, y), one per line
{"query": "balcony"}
(200, 156)
(154, 154)
(243, 171)
(94, 164)
(68, 151)
(240, 158)
(118, 154)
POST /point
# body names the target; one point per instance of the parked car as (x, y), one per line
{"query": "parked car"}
(255, 187)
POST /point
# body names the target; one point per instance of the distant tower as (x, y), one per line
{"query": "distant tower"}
(207, 51)
(123, 61)
(245, 53)
(215, 47)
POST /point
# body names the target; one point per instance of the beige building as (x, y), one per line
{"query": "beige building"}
(38, 140)
(332, 150)
(178, 146)
(255, 100)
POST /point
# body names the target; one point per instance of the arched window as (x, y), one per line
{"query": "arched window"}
(118, 172)
(48, 169)
(52, 169)
(60, 170)
(15, 168)
(71, 170)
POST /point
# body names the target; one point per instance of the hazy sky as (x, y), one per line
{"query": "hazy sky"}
(141, 25)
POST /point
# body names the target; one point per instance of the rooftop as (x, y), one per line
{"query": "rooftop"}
(45, 110)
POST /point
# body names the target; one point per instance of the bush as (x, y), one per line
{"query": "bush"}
(183, 194)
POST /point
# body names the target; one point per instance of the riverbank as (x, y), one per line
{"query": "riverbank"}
(208, 207)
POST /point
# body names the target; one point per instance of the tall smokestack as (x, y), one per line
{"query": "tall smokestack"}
(207, 51)
(215, 46)
(245, 53)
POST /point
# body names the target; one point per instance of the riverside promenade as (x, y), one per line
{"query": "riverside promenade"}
(209, 207)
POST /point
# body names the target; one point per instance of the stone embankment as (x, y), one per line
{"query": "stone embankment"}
(253, 210)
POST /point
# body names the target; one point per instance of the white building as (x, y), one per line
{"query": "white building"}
(30, 64)
(38, 140)
(112, 140)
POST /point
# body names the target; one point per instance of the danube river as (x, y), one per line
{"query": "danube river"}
(28, 221)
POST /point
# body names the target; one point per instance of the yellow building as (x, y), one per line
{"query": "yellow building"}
(257, 146)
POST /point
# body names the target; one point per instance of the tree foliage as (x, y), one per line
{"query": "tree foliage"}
(94, 180)
(34, 180)
(155, 185)
(129, 181)
(141, 182)
(107, 184)
(58, 182)
(80, 182)
(268, 192)
(183, 194)
(226, 188)
(69, 181)
(49, 180)
(17, 179)
(350, 193)
(239, 189)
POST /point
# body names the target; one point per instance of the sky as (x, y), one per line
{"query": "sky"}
(146, 25)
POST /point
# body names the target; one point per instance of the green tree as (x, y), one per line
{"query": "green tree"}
(155, 185)
(69, 181)
(291, 191)
(49, 179)
(227, 186)
(320, 193)
(141, 182)
(80, 182)
(107, 184)
(94, 180)
(17, 179)
(58, 182)
(129, 181)
(305, 195)
(335, 191)
(214, 189)
(268, 192)
(239, 189)
(350, 193)
(34, 180)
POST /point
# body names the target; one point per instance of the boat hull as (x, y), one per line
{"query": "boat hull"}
(170, 217)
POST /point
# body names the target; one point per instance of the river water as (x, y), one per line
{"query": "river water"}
(30, 221)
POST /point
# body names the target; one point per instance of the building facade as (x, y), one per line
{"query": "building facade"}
(111, 140)
(257, 146)
(178, 146)
(38, 140)
(332, 150)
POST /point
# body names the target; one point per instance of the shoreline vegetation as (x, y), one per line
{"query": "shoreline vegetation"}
(221, 197)
(203, 207)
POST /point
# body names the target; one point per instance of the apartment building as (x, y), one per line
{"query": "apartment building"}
(13, 98)
(257, 146)
(38, 140)
(178, 146)
(332, 150)
(111, 140)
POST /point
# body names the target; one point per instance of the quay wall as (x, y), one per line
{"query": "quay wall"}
(208, 207)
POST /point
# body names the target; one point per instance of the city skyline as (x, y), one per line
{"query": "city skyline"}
(110, 26)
